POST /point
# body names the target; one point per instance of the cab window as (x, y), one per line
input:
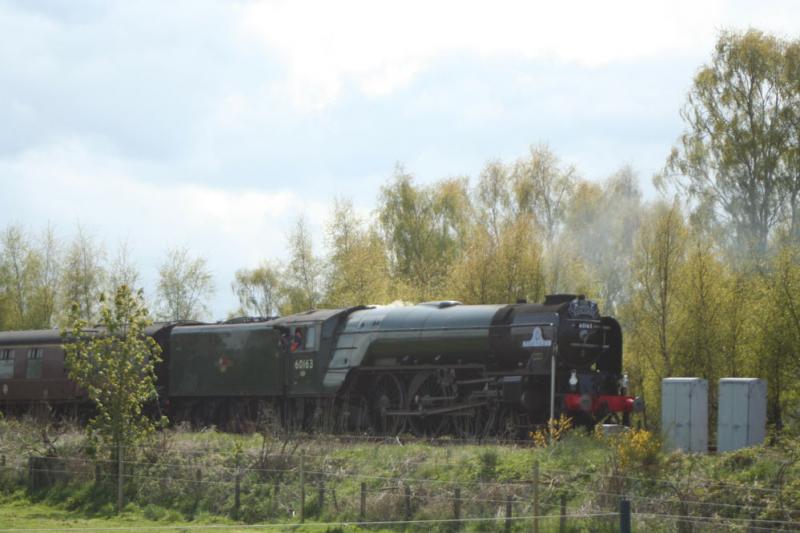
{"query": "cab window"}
(303, 339)
(311, 338)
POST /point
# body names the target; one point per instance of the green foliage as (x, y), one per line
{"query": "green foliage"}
(779, 335)
(184, 285)
(424, 229)
(303, 274)
(502, 268)
(28, 279)
(358, 270)
(739, 151)
(122, 270)
(260, 291)
(541, 188)
(83, 275)
(691, 313)
(651, 315)
(115, 366)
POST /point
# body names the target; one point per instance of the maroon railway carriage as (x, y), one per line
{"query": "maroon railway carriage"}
(33, 374)
(32, 370)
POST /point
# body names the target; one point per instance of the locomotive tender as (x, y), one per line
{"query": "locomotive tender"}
(430, 369)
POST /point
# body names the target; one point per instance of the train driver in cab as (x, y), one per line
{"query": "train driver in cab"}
(298, 340)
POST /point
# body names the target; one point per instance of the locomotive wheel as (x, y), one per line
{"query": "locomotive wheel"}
(268, 420)
(386, 394)
(354, 414)
(426, 385)
(470, 424)
(508, 425)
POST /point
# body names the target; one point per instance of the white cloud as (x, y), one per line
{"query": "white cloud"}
(379, 46)
(67, 184)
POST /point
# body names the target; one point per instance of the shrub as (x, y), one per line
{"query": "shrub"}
(154, 512)
(554, 431)
(637, 449)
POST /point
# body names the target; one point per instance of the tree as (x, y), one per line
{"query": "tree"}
(116, 369)
(493, 197)
(48, 280)
(358, 270)
(790, 87)
(19, 265)
(542, 186)
(600, 225)
(83, 274)
(122, 270)
(502, 269)
(651, 317)
(184, 285)
(473, 279)
(541, 189)
(425, 229)
(260, 291)
(304, 271)
(29, 279)
(705, 316)
(734, 152)
(778, 354)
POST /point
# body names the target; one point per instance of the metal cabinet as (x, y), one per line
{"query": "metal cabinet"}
(742, 417)
(684, 413)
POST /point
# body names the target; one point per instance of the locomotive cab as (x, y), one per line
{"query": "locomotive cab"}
(307, 342)
(300, 346)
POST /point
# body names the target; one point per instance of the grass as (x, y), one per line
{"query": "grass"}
(185, 479)
(18, 511)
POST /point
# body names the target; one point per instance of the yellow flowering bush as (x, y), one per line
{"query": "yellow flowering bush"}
(552, 432)
(637, 449)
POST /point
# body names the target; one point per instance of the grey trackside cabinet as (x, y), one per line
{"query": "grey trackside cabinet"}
(742, 420)
(684, 413)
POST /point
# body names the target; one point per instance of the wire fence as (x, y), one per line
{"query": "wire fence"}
(268, 490)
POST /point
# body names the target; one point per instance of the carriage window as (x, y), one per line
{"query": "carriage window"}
(6, 363)
(34, 370)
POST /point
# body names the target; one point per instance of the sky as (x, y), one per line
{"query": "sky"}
(212, 125)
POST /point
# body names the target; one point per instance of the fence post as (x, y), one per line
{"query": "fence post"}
(2, 460)
(408, 502)
(302, 486)
(457, 507)
(276, 488)
(536, 497)
(237, 499)
(30, 473)
(321, 497)
(562, 525)
(120, 480)
(509, 509)
(363, 512)
(198, 479)
(624, 516)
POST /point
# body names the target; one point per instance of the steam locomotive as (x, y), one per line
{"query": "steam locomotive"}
(430, 369)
